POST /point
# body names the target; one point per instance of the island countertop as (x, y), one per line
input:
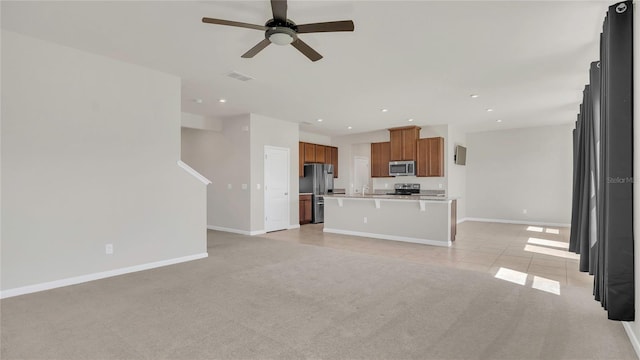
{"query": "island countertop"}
(391, 197)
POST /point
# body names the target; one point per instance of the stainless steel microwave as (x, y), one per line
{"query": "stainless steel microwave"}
(402, 168)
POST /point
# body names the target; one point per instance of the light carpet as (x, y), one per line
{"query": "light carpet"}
(256, 298)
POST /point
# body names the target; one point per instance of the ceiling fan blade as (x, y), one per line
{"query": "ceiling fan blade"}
(256, 49)
(344, 25)
(306, 50)
(279, 8)
(233, 23)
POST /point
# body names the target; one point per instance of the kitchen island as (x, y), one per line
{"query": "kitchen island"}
(419, 219)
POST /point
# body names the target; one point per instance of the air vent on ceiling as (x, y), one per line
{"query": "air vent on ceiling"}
(239, 76)
(306, 123)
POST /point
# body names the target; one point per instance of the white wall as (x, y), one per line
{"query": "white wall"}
(457, 174)
(89, 152)
(346, 153)
(512, 170)
(272, 132)
(224, 158)
(234, 157)
(314, 138)
(195, 121)
(202, 150)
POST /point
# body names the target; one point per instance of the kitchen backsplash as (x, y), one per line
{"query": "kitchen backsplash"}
(425, 183)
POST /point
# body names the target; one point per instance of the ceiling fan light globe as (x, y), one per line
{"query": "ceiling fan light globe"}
(281, 38)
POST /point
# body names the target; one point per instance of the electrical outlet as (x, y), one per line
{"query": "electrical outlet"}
(258, 186)
(108, 249)
(229, 186)
(386, 185)
(439, 186)
(524, 211)
(365, 219)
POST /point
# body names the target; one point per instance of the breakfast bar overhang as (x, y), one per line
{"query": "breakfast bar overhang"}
(418, 219)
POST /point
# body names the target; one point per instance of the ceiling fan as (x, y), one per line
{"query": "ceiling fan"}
(282, 31)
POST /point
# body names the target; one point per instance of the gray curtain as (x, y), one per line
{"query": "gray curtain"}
(602, 211)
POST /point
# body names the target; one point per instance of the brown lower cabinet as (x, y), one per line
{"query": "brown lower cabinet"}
(305, 209)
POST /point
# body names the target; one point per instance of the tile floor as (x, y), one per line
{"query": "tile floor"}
(522, 252)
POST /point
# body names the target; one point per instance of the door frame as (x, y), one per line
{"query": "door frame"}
(355, 171)
(264, 195)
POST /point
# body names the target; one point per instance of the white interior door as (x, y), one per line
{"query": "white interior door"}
(276, 188)
(361, 174)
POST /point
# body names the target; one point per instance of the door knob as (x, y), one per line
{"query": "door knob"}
(286, 193)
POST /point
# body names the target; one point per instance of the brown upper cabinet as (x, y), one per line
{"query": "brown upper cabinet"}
(404, 143)
(320, 155)
(300, 159)
(334, 160)
(430, 161)
(309, 153)
(328, 151)
(380, 157)
(317, 154)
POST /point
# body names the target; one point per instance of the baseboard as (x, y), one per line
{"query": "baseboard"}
(522, 222)
(632, 337)
(389, 237)
(296, 226)
(459, 221)
(236, 231)
(96, 276)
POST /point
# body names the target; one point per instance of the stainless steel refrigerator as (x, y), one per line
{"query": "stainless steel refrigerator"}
(318, 180)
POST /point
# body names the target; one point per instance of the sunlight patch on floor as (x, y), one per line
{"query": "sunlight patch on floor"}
(545, 242)
(551, 252)
(520, 278)
(541, 229)
(513, 276)
(544, 284)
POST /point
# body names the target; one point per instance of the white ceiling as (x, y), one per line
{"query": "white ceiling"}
(420, 59)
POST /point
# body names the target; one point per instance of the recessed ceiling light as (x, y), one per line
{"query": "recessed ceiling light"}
(489, 110)
(197, 101)
(498, 120)
(474, 96)
(349, 127)
(222, 100)
(410, 120)
(319, 120)
(384, 110)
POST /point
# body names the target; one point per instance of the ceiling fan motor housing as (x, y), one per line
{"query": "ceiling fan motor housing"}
(280, 35)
